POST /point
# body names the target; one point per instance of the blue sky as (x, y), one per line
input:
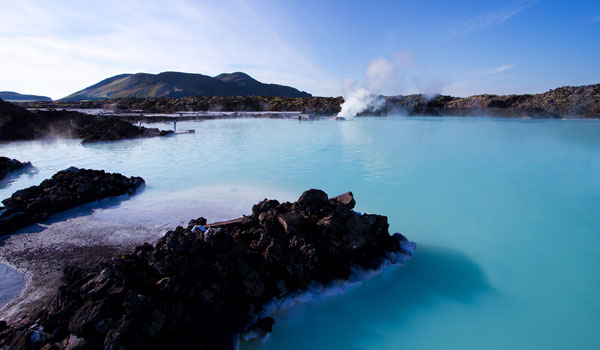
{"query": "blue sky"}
(392, 47)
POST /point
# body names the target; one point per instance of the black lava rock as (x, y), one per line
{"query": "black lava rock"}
(8, 166)
(65, 190)
(205, 286)
(18, 123)
(112, 129)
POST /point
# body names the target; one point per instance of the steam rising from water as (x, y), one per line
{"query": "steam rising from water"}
(380, 76)
(358, 100)
(385, 76)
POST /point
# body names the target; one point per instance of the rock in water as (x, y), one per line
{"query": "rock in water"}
(8, 166)
(65, 190)
(207, 286)
(111, 129)
(17, 123)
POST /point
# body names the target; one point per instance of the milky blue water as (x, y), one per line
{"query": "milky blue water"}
(505, 212)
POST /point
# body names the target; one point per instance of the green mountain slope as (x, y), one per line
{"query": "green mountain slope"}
(176, 84)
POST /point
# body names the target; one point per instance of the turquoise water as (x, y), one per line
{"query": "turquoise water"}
(11, 283)
(505, 214)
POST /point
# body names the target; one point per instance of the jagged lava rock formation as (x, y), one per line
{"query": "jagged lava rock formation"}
(17, 123)
(65, 190)
(204, 286)
(563, 102)
(8, 166)
(98, 129)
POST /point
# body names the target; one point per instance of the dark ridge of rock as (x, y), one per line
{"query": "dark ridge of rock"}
(567, 101)
(97, 129)
(200, 288)
(563, 102)
(17, 123)
(65, 190)
(312, 105)
(8, 166)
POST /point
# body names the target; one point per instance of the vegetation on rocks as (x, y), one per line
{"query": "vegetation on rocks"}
(568, 101)
(177, 84)
(314, 105)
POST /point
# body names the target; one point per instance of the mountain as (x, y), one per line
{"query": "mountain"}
(176, 84)
(252, 87)
(14, 96)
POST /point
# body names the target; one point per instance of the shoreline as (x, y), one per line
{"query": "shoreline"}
(317, 291)
(151, 117)
(42, 256)
(222, 301)
(564, 101)
(42, 278)
(135, 116)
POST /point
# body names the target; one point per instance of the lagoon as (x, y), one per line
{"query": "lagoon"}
(504, 213)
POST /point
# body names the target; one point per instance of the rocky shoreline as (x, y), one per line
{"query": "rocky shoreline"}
(204, 286)
(112, 129)
(9, 166)
(65, 190)
(18, 123)
(312, 105)
(562, 102)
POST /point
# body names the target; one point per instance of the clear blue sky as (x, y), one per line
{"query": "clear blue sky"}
(459, 48)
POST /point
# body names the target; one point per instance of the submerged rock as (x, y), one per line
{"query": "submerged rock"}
(65, 190)
(8, 166)
(207, 286)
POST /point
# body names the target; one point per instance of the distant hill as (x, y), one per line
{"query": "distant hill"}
(14, 96)
(176, 84)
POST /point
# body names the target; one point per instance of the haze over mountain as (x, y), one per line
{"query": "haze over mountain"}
(15, 96)
(177, 84)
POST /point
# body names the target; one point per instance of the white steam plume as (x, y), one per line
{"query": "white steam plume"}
(380, 76)
(383, 76)
(357, 100)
